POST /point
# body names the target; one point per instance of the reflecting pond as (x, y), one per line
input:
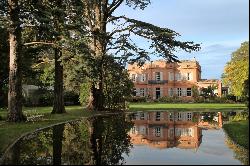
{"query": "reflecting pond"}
(150, 137)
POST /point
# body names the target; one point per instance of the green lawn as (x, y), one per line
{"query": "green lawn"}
(238, 132)
(185, 106)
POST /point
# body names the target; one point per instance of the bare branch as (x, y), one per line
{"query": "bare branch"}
(114, 6)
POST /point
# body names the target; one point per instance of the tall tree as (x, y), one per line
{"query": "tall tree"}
(100, 13)
(236, 71)
(58, 21)
(15, 73)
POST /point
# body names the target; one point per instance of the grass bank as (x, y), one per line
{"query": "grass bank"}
(238, 131)
(185, 106)
(9, 132)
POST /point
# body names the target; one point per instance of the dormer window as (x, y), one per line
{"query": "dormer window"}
(189, 76)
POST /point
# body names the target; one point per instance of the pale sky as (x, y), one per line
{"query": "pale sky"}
(220, 26)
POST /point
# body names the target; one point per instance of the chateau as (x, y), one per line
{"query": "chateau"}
(159, 78)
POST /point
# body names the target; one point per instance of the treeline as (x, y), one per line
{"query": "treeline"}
(66, 44)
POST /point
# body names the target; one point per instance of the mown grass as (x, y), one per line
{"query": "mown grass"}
(185, 106)
(238, 131)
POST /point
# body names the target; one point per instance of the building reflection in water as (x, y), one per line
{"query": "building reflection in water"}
(170, 129)
(103, 140)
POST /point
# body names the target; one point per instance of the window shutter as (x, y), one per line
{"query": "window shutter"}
(161, 76)
(175, 91)
(137, 91)
(184, 91)
(154, 93)
(138, 78)
(191, 76)
(161, 91)
(162, 116)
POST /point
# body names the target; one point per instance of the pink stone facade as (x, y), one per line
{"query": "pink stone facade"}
(159, 78)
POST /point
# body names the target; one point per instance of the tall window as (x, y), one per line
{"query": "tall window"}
(143, 77)
(157, 76)
(157, 93)
(178, 91)
(179, 116)
(189, 116)
(189, 92)
(142, 116)
(157, 131)
(178, 76)
(133, 77)
(188, 76)
(142, 92)
(171, 116)
(158, 116)
(171, 76)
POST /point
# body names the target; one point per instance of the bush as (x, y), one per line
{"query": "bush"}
(71, 98)
(138, 99)
(167, 99)
(46, 99)
(239, 116)
(199, 99)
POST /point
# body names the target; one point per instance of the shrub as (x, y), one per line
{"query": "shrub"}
(240, 116)
(166, 99)
(137, 99)
(84, 93)
(46, 99)
(199, 99)
(71, 98)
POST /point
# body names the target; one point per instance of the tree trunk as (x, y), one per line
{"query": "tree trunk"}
(57, 144)
(96, 98)
(15, 74)
(58, 107)
(97, 46)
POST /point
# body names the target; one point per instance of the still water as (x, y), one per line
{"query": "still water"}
(187, 138)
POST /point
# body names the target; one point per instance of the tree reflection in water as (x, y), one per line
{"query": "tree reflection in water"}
(35, 148)
(97, 140)
(110, 140)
